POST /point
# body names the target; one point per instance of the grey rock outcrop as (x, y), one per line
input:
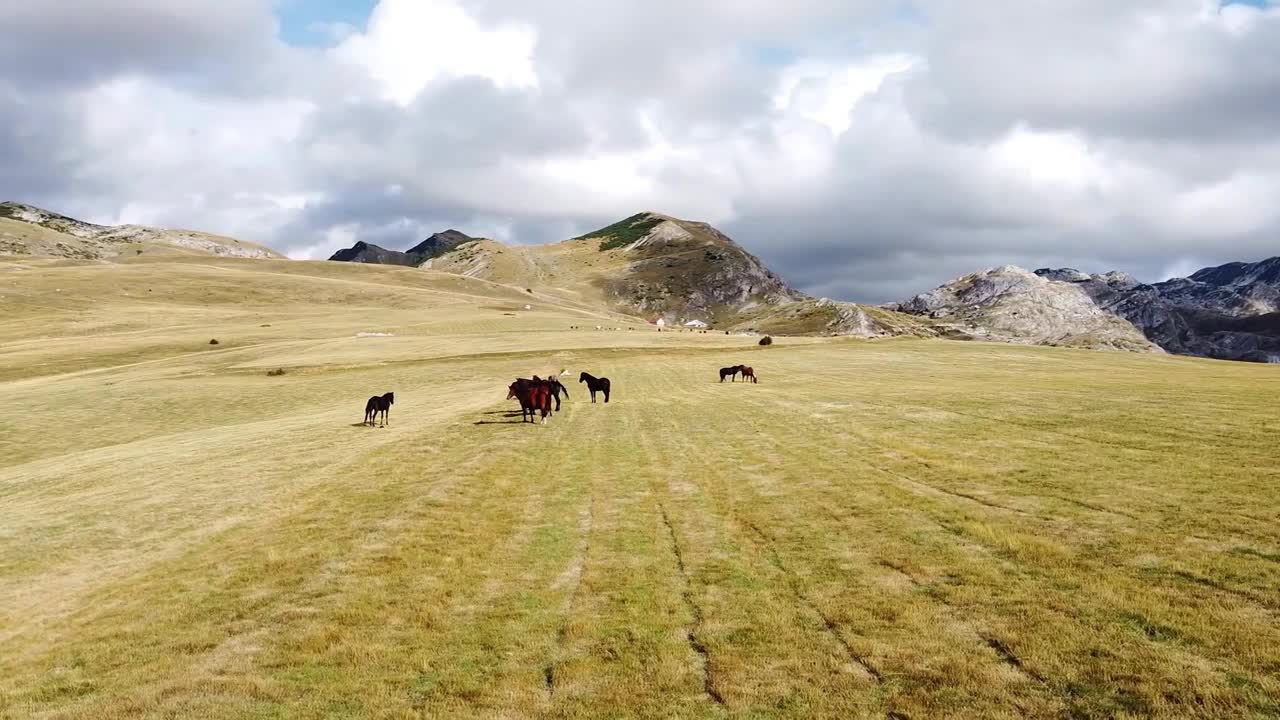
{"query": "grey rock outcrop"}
(1012, 304)
(1229, 312)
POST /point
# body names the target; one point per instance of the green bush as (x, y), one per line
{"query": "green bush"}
(766, 340)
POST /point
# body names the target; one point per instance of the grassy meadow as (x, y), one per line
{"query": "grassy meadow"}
(878, 529)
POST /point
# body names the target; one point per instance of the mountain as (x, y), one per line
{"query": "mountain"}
(26, 230)
(649, 264)
(1228, 312)
(1012, 304)
(434, 246)
(652, 266)
(363, 252)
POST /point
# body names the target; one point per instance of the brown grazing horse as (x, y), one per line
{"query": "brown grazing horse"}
(730, 372)
(534, 396)
(748, 372)
(379, 404)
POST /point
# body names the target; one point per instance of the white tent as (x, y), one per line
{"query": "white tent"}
(695, 324)
(661, 323)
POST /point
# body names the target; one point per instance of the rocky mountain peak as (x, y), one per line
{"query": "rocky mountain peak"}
(1011, 303)
(433, 247)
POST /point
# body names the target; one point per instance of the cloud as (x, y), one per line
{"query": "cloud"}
(865, 149)
(410, 43)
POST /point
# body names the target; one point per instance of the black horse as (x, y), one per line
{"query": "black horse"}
(556, 389)
(595, 385)
(377, 405)
(730, 372)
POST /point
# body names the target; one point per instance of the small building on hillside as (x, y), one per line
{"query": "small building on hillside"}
(660, 323)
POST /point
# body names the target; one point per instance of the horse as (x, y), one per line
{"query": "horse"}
(534, 396)
(553, 384)
(556, 387)
(748, 372)
(730, 372)
(595, 385)
(379, 404)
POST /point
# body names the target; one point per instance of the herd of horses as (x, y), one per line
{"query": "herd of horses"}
(535, 394)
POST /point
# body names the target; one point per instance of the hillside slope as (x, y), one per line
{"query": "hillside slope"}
(26, 230)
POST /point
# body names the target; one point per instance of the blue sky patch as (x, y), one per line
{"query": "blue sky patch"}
(301, 21)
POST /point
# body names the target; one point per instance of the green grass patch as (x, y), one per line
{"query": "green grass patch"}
(623, 232)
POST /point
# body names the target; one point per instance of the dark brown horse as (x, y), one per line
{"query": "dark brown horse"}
(730, 372)
(379, 404)
(534, 397)
(553, 384)
(748, 372)
(595, 385)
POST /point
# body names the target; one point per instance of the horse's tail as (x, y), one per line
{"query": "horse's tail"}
(604, 385)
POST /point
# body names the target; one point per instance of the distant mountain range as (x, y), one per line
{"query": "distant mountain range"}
(1228, 312)
(656, 266)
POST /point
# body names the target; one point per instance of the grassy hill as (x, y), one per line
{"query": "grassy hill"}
(881, 528)
(651, 265)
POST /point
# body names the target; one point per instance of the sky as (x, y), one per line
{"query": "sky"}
(866, 150)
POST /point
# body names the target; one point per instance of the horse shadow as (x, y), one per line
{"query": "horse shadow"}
(503, 413)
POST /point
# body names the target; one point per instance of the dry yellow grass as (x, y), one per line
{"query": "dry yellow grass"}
(919, 529)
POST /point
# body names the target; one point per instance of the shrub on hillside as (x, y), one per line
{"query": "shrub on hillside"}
(213, 341)
(275, 373)
(766, 340)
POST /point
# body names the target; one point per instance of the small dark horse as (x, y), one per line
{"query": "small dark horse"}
(595, 385)
(377, 405)
(534, 396)
(556, 388)
(730, 372)
(749, 372)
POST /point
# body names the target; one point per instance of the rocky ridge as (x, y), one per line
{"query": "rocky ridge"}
(29, 230)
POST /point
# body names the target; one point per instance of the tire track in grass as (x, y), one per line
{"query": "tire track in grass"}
(829, 625)
(574, 574)
(987, 642)
(695, 643)
(1006, 654)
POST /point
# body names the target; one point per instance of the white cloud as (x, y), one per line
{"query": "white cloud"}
(410, 43)
(827, 94)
